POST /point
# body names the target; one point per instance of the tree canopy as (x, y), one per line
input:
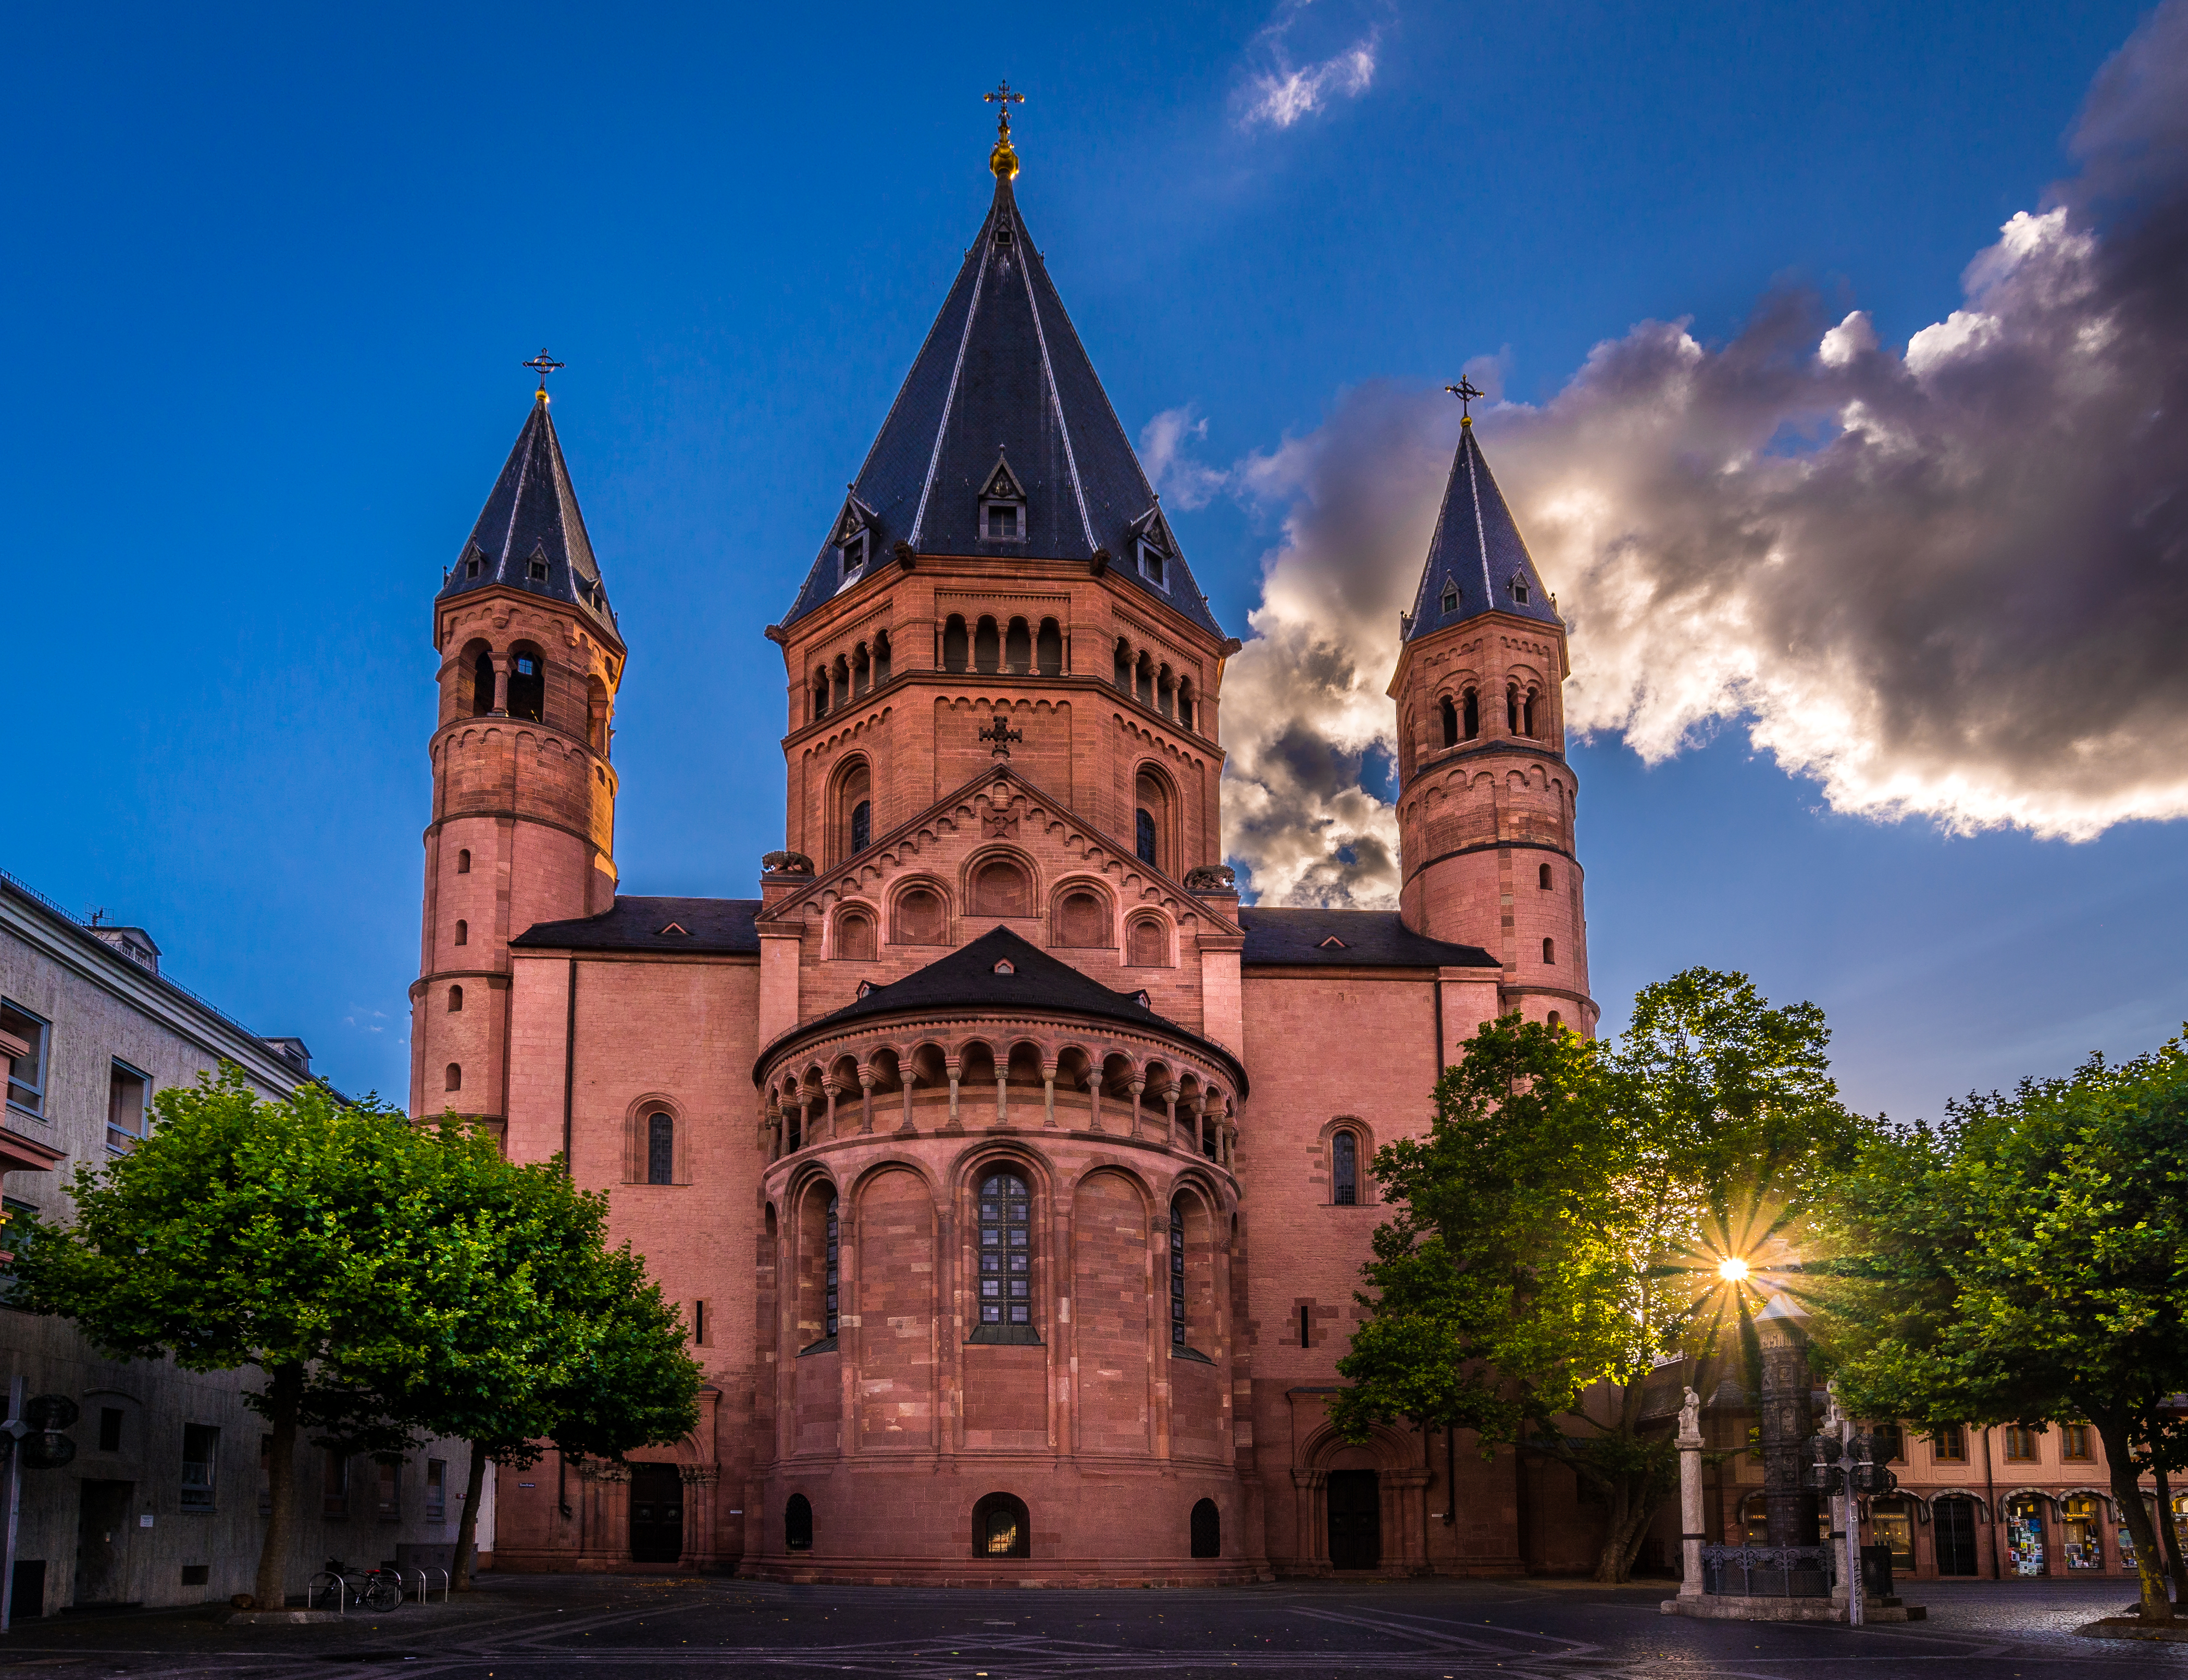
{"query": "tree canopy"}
(2027, 1261)
(1561, 1224)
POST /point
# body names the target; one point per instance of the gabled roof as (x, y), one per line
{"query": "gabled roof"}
(1477, 547)
(1003, 374)
(1364, 939)
(533, 514)
(974, 976)
(709, 925)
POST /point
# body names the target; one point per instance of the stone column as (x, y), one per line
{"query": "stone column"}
(501, 664)
(1690, 1495)
(1094, 1099)
(954, 1065)
(907, 1071)
(1139, 1083)
(1170, 1110)
(866, 1098)
(1787, 1420)
(831, 1086)
(1002, 1094)
(1048, 1095)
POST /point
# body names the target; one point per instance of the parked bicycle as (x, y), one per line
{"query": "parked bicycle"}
(376, 1589)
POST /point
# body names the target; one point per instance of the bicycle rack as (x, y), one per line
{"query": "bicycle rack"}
(424, 1586)
(341, 1595)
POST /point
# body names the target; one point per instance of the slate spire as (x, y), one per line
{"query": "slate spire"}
(1477, 563)
(530, 535)
(1002, 376)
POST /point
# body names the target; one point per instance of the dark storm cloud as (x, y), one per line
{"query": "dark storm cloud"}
(1948, 580)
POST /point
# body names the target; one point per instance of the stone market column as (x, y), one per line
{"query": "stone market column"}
(1690, 1495)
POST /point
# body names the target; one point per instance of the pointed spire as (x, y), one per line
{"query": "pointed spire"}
(1002, 376)
(530, 535)
(1476, 562)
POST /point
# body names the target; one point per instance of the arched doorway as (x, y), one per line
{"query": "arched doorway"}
(1355, 1499)
(657, 1513)
(1953, 1530)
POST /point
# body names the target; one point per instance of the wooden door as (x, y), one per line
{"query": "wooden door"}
(657, 1513)
(1355, 1520)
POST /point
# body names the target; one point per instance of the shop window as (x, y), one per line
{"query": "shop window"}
(1000, 1527)
(2081, 1532)
(201, 1453)
(1006, 1228)
(1892, 1522)
(2024, 1534)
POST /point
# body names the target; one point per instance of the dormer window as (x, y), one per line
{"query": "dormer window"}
(471, 568)
(1450, 597)
(1003, 237)
(1519, 590)
(1155, 566)
(538, 571)
(1002, 505)
(851, 555)
(1007, 966)
(853, 533)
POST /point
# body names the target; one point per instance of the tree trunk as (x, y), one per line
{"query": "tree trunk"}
(2169, 1530)
(467, 1525)
(284, 1393)
(2127, 1495)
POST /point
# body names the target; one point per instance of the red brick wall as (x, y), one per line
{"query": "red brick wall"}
(1113, 1294)
(1006, 1397)
(895, 1285)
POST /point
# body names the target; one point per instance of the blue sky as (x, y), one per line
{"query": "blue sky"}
(274, 270)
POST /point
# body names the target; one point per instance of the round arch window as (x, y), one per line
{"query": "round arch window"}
(1000, 1528)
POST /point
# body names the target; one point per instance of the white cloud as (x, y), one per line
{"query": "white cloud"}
(1278, 92)
(1959, 596)
(1164, 441)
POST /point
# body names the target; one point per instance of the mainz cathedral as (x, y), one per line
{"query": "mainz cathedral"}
(1011, 1176)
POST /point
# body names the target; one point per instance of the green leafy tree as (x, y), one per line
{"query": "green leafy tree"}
(285, 1235)
(1557, 1232)
(2026, 1261)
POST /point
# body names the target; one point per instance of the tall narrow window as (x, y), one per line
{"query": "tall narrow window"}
(1143, 835)
(881, 659)
(463, 933)
(1000, 1528)
(333, 1486)
(482, 685)
(1177, 1271)
(1018, 647)
(109, 1428)
(1123, 666)
(125, 1109)
(455, 1077)
(987, 646)
(1527, 716)
(1470, 715)
(455, 1000)
(660, 1149)
(1184, 702)
(820, 695)
(436, 1490)
(463, 862)
(835, 1255)
(527, 683)
(1450, 715)
(27, 1074)
(388, 1490)
(1005, 1251)
(953, 644)
(1949, 1445)
(1048, 649)
(201, 1451)
(1549, 950)
(1344, 1170)
(797, 1524)
(1542, 878)
(862, 825)
(1207, 1529)
(1512, 711)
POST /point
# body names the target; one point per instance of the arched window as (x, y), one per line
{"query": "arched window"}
(953, 644)
(1344, 1169)
(839, 684)
(862, 670)
(830, 1305)
(1005, 1251)
(1000, 889)
(919, 917)
(527, 683)
(1470, 706)
(820, 694)
(1542, 878)
(1018, 647)
(455, 1077)
(1527, 714)
(1557, 1021)
(881, 659)
(1207, 1529)
(1512, 710)
(1178, 1273)
(1184, 702)
(797, 1524)
(1000, 1528)
(1081, 921)
(1048, 649)
(987, 646)
(1145, 945)
(463, 933)
(482, 685)
(1143, 681)
(793, 1125)
(1143, 835)
(853, 793)
(862, 826)
(1450, 715)
(1165, 693)
(660, 1148)
(854, 936)
(1124, 665)
(455, 1000)
(463, 861)
(1549, 950)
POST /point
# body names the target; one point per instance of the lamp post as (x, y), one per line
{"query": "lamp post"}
(1846, 1467)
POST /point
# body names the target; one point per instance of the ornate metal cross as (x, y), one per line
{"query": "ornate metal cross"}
(544, 364)
(1003, 735)
(1467, 395)
(1003, 97)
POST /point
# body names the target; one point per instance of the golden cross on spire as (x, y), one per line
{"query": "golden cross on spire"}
(1003, 159)
(544, 364)
(1468, 396)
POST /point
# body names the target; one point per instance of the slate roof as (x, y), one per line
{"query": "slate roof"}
(1476, 548)
(967, 978)
(713, 925)
(533, 514)
(1002, 376)
(1372, 938)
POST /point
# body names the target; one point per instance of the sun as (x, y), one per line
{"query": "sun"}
(1732, 1269)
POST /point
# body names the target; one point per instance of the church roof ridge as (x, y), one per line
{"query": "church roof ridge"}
(1002, 371)
(531, 535)
(1477, 560)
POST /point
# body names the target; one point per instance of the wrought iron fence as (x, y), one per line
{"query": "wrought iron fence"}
(1768, 1571)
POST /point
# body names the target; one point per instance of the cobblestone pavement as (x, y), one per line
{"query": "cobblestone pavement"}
(532, 1627)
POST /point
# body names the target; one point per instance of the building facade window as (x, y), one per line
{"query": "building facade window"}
(2081, 1532)
(126, 1089)
(797, 1524)
(200, 1454)
(1005, 1251)
(1892, 1522)
(2020, 1444)
(862, 825)
(334, 1485)
(27, 1074)
(453, 1078)
(527, 684)
(387, 1490)
(831, 1302)
(455, 1000)
(436, 1490)
(1949, 1445)
(1143, 837)
(463, 933)
(2074, 1444)
(1177, 1272)
(463, 861)
(660, 1148)
(1207, 1529)
(1000, 1528)
(1344, 1168)
(109, 1428)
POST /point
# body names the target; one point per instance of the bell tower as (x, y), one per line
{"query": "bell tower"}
(1486, 800)
(523, 826)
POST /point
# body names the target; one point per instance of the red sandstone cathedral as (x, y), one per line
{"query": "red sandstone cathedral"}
(1010, 1172)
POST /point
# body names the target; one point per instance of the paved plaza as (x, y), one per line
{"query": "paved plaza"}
(533, 1626)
